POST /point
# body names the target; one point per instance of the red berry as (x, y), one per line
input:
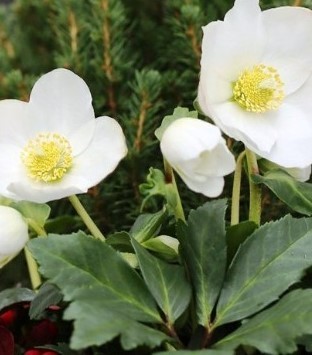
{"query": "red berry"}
(8, 318)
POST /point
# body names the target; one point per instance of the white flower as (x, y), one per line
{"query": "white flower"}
(256, 80)
(53, 146)
(197, 152)
(13, 234)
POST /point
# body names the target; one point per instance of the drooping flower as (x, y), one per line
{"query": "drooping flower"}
(256, 80)
(197, 152)
(52, 146)
(13, 234)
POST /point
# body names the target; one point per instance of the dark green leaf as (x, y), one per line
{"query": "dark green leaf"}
(120, 241)
(147, 225)
(34, 211)
(297, 195)
(272, 258)
(236, 235)
(197, 352)
(166, 282)
(48, 295)
(275, 330)
(15, 295)
(204, 251)
(95, 278)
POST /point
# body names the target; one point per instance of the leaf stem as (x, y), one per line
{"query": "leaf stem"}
(254, 190)
(173, 196)
(34, 275)
(88, 221)
(236, 189)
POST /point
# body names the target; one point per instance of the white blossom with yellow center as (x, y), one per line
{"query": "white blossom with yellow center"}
(53, 147)
(256, 80)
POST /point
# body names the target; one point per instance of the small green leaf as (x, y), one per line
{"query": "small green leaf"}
(15, 295)
(204, 251)
(236, 235)
(166, 282)
(120, 241)
(34, 211)
(275, 330)
(47, 296)
(164, 246)
(297, 195)
(273, 258)
(155, 185)
(147, 225)
(179, 112)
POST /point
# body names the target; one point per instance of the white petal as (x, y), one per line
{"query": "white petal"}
(302, 97)
(16, 121)
(228, 48)
(14, 231)
(186, 138)
(253, 129)
(62, 102)
(293, 146)
(81, 137)
(210, 187)
(289, 44)
(104, 153)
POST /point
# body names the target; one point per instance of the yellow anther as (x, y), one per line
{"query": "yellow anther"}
(47, 157)
(259, 89)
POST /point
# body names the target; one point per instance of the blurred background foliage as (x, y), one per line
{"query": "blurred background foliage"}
(140, 59)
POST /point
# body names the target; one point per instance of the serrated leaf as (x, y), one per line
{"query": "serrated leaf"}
(91, 274)
(204, 251)
(179, 112)
(37, 212)
(275, 330)
(96, 325)
(15, 295)
(272, 259)
(297, 195)
(147, 225)
(47, 296)
(166, 282)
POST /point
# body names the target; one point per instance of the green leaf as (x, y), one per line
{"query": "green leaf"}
(96, 323)
(236, 235)
(272, 258)
(33, 211)
(297, 195)
(120, 241)
(15, 295)
(155, 185)
(164, 246)
(48, 295)
(147, 225)
(275, 330)
(96, 278)
(179, 112)
(166, 282)
(204, 251)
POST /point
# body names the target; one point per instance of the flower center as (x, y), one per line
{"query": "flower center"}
(47, 157)
(259, 89)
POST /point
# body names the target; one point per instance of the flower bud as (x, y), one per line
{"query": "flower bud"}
(13, 234)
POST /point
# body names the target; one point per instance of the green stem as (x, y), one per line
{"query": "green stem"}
(34, 275)
(176, 201)
(255, 190)
(88, 221)
(236, 189)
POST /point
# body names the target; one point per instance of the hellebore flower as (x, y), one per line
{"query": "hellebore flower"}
(197, 152)
(256, 80)
(13, 234)
(53, 147)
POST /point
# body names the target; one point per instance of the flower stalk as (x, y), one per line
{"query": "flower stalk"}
(254, 190)
(236, 189)
(34, 275)
(88, 221)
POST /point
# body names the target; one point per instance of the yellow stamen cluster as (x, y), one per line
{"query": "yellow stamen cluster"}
(47, 157)
(259, 89)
